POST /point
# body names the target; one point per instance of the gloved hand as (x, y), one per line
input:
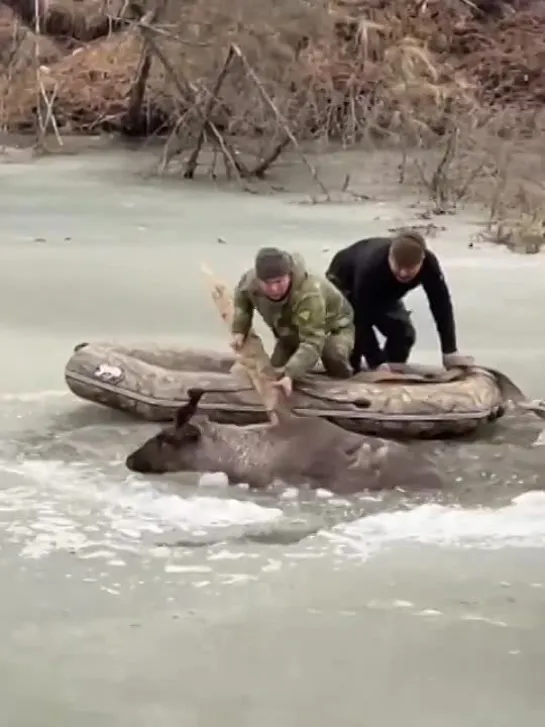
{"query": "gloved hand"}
(453, 360)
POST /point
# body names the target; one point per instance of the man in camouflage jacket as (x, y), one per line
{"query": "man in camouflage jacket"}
(307, 314)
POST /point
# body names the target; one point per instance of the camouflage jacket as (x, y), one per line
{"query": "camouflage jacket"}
(313, 309)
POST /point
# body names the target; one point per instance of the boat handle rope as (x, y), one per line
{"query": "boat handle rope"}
(361, 403)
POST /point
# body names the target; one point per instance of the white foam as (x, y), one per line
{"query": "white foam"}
(51, 506)
(519, 524)
(59, 507)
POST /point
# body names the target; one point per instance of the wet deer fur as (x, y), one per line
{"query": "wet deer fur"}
(297, 450)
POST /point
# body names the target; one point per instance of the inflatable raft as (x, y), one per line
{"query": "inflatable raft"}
(417, 402)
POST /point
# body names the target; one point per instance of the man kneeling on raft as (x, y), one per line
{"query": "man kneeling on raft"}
(309, 317)
(375, 274)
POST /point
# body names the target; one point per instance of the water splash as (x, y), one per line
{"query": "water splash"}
(519, 524)
(48, 505)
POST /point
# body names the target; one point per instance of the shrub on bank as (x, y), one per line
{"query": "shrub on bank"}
(340, 71)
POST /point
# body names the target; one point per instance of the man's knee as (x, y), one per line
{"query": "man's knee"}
(408, 334)
(400, 342)
(403, 336)
(336, 354)
(397, 326)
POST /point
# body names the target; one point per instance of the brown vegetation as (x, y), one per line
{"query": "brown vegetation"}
(338, 69)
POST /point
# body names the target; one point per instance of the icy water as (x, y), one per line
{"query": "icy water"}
(397, 612)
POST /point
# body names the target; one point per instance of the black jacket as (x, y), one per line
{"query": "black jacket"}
(362, 272)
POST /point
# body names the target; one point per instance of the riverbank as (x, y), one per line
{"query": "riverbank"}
(335, 70)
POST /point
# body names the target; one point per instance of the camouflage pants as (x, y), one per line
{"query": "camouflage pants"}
(335, 353)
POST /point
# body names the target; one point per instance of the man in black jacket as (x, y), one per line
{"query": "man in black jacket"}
(375, 274)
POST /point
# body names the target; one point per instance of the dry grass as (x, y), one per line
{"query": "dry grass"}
(333, 71)
(516, 196)
(504, 173)
(336, 72)
(330, 76)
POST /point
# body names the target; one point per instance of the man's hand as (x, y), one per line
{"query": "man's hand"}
(286, 384)
(454, 360)
(237, 341)
(355, 362)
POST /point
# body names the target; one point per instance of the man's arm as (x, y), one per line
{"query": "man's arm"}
(365, 344)
(310, 318)
(438, 294)
(243, 309)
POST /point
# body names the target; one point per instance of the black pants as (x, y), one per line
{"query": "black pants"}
(395, 325)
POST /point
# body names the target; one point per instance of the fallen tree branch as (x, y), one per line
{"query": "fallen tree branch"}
(189, 95)
(268, 160)
(281, 120)
(191, 164)
(168, 154)
(41, 94)
(252, 356)
(49, 116)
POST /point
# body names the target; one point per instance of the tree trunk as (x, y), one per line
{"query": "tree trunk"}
(81, 21)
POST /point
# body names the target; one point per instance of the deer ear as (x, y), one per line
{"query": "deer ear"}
(183, 415)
